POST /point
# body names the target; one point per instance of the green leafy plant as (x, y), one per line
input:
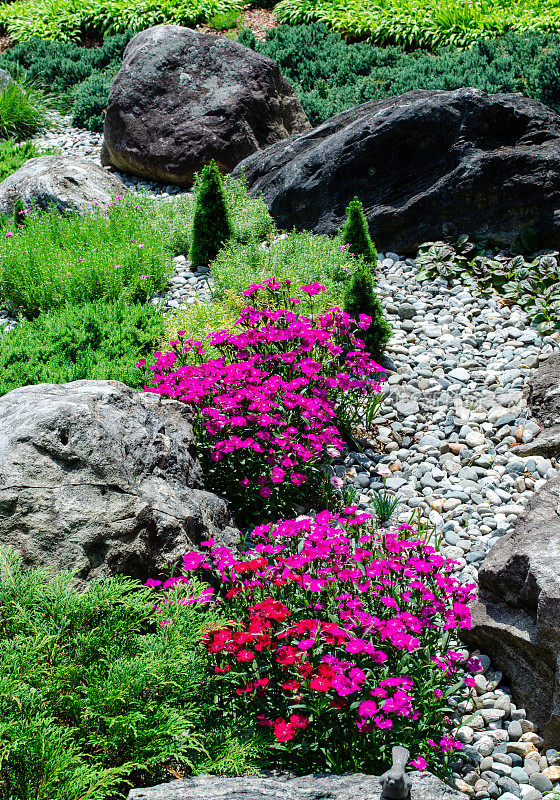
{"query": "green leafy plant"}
(100, 254)
(355, 233)
(93, 341)
(211, 227)
(65, 20)
(22, 109)
(534, 285)
(360, 299)
(423, 23)
(14, 154)
(225, 21)
(101, 689)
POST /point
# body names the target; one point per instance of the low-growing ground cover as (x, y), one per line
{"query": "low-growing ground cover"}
(66, 20)
(330, 75)
(532, 282)
(122, 251)
(73, 77)
(13, 155)
(92, 341)
(99, 690)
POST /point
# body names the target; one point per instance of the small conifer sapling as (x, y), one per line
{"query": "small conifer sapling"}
(355, 233)
(211, 226)
(361, 299)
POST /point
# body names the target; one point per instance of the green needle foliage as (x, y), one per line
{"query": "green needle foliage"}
(355, 233)
(361, 299)
(96, 694)
(94, 341)
(211, 224)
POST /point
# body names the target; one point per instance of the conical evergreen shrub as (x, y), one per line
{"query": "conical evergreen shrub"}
(355, 233)
(211, 224)
(360, 298)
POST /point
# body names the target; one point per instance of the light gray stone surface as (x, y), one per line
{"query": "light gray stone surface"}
(98, 478)
(64, 181)
(309, 787)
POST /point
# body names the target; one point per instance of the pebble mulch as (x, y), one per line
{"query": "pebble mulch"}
(454, 406)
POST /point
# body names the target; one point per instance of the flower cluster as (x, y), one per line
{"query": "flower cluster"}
(339, 641)
(267, 410)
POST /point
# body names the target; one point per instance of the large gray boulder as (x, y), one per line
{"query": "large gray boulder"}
(482, 162)
(63, 181)
(98, 478)
(516, 619)
(183, 98)
(284, 787)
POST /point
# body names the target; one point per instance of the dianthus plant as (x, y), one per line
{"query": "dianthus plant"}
(268, 411)
(340, 642)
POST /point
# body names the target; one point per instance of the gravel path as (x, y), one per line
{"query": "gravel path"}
(454, 406)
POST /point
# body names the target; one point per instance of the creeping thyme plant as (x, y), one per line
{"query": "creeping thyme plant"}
(269, 410)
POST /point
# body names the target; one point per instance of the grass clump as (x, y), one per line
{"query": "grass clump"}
(14, 154)
(95, 694)
(211, 227)
(23, 112)
(301, 257)
(93, 341)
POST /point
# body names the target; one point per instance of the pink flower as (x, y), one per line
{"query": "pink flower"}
(419, 763)
(338, 483)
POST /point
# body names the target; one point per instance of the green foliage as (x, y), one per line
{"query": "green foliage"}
(330, 75)
(532, 284)
(91, 102)
(65, 20)
(211, 227)
(14, 154)
(94, 691)
(247, 38)
(102, 254)
(355, 233)
(22, 109)
(301, 257)
(60, 66)
(424, 23)
(225, 21)
(94, 341)
(361, 299)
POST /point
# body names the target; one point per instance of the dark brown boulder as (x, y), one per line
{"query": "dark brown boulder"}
(183, 98)
(481, 162)
(516, 619)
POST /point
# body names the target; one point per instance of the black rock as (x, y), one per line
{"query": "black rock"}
(487, 162)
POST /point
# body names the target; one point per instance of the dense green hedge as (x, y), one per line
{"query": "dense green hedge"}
(330, 75)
